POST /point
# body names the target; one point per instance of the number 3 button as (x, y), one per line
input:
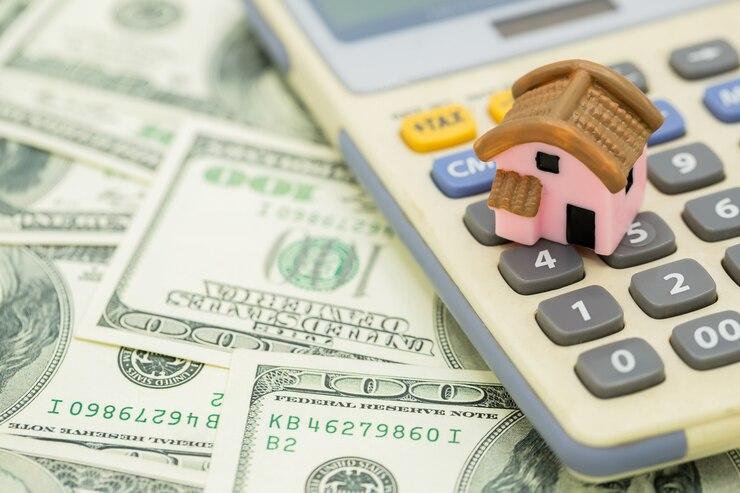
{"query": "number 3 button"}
(541, 267)
(620, 368)
(673, 289)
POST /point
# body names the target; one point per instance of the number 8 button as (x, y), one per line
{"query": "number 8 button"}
(709, 342)
(672, 289)
(620, 368)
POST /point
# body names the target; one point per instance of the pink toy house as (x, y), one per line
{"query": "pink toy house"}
(570, 156)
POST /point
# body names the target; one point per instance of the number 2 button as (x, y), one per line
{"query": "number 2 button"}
(541, 267)
(673, 289)
(620, 368)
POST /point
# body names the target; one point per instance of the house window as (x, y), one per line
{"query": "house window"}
(630, 179)
(547, 162)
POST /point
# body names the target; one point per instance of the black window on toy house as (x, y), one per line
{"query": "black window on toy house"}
(547, 162)
(630, 179)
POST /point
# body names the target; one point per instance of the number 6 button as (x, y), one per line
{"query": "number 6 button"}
(709, 342)
(716, 216)
(620, 368)
(672, 289)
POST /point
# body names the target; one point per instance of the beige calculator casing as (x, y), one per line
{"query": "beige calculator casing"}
(691, 414)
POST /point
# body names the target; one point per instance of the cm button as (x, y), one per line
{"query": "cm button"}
(462, 174)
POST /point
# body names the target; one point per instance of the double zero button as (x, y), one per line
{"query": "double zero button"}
(709, 342)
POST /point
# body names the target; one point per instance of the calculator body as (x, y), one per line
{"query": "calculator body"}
(361, 80)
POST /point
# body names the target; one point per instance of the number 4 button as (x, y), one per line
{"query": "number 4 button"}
(673, 289)
(541, 267)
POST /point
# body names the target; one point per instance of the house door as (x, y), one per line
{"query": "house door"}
(580, 226)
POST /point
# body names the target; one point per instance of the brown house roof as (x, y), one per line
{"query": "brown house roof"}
(584, 108)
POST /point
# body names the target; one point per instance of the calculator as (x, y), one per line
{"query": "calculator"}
(623, 363)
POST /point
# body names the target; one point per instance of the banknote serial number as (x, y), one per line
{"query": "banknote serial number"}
(134, 414)
(362, 429)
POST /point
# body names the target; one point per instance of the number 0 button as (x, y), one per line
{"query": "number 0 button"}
(541, 267)
(579, 316)
(620, 368)
(709, 342)
(672, 289)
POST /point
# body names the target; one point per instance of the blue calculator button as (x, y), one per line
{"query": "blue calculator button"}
(462, 174)
(673, 125)
(723, 100)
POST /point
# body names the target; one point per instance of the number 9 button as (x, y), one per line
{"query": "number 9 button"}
(709, 342)
(685, 168)
(673, 289)
(620, 368)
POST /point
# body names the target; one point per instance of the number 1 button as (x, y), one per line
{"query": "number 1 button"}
(620, 368)
(673, 289)
(541, 267)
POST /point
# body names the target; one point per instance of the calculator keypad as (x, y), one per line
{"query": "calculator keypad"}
(648, 238)
(723, 100)
(580, 316)
(704, 59)
(673, 124)
(685, 168)
(481, 223)
(630, 71)
(620, 368)
(673, 289)
(461, 174)
(731, 262)
(709, 342)
(716, 216)
(541, 267)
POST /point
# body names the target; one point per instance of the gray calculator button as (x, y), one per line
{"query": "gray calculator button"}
(648, 238)
(704, 59)
(685, 168)
(673, 289)
(480, 221)
(716, 216)
(709, 342)
(620, 368)
(630, 71)
(541, 267)
(580, 316)
(731, 262)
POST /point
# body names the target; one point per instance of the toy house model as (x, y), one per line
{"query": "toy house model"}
(570, 156)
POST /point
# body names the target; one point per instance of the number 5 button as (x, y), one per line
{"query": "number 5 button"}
(620, 368)
(579, 316)
(672, 289)
(709, 342)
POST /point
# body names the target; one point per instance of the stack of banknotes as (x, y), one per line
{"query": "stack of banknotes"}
(196, 294)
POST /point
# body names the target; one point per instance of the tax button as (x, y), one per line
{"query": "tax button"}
(461, 174)
(438, 128)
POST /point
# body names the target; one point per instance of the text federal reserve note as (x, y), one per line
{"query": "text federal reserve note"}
(49, 199)
(296, 423)
(36, 466)
(95, 396)
(181, 55)
(261, 244)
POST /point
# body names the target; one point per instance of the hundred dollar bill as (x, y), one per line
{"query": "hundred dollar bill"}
(36, 466)
(182, 55)
(127, 137)
(10, 10)
(49, 199)
(263, 244)
(95, 396)
(297, 423)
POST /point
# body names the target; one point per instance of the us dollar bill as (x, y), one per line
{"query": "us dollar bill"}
(49, 199)
(36, 466)
(93, 396)
(179, 55)
(263, 244)
(129, 138)
(341, 425)
(10, 10)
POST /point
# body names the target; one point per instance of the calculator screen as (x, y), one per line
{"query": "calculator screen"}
(351, 20)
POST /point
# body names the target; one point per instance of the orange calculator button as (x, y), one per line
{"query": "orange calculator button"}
(499, 104)
(440, 127)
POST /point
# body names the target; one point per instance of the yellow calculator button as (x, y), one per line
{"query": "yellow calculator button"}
(499, 104)
(438, 128)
